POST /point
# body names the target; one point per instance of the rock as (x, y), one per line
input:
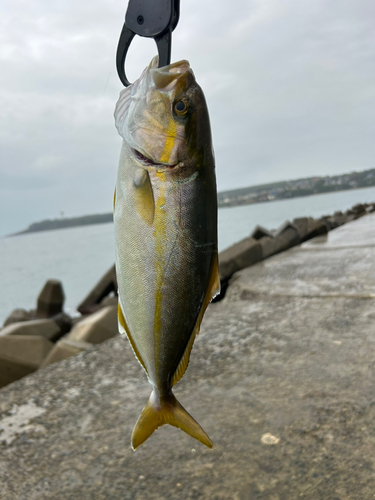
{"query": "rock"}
(240, 255)
(64, 322)
(359, 209)
(370, 208)
(326, 221)
(318, 228)
(303, 226)
(339, 218)
(284, 227)
(46, 328)
(350, 215)
(250, 250)
(334, 222)
(77, 319)
(21, 355)
(104, 287)
(286, 236)
(17, 316)
(330, 222)
(269, 246)
(97, 327)
(32, 313)
(356, 211)
(287, 239)
(50, 300)
(308, 228)
(259, 232)
(109, 301)
(65, 348)
(269, 439)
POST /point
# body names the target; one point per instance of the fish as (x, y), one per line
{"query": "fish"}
(165, 222)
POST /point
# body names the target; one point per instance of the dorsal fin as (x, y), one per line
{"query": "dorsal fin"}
(213, 289)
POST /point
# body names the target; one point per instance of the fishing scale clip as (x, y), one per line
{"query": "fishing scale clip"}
(149, 18)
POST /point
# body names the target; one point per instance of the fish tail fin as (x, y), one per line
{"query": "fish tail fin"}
(168, 410)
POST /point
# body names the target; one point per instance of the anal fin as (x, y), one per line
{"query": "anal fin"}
(123, 328)
(213, 289)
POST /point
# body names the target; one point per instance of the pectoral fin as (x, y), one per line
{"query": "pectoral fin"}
(143, 196)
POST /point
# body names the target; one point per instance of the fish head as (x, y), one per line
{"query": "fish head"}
(163, 117)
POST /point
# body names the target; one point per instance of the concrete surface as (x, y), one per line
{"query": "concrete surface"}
(281, 378)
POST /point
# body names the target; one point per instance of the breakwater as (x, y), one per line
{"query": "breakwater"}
(34, 339)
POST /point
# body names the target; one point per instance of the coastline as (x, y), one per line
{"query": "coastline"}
(87, 220)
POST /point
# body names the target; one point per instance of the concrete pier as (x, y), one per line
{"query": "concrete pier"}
(281, 378)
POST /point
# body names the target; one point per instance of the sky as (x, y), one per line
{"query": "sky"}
(289, 85)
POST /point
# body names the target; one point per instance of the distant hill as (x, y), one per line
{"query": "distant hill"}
(296, 188)
(49, 224)
(243, 196)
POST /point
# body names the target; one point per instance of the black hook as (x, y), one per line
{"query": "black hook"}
(149, 18)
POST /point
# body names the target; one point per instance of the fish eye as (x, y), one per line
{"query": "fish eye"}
(181, 107)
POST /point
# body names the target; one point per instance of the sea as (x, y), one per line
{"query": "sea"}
(79, 256)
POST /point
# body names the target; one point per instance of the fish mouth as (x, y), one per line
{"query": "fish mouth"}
(151, 163)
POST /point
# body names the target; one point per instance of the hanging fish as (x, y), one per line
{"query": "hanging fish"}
(165, 217)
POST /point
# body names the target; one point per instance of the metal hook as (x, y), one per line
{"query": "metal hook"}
(148, 18)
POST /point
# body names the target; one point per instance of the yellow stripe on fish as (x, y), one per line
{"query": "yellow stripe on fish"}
(160, 227)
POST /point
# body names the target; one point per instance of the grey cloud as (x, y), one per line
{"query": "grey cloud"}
(289, 86)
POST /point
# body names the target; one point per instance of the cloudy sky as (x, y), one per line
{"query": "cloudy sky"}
(289, 84)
